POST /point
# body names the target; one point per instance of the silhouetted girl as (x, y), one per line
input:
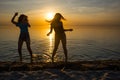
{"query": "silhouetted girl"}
(57, 25)
(23, 24)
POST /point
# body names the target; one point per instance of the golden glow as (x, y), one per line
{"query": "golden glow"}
(49, 16)
(51, 43)
(50, 38)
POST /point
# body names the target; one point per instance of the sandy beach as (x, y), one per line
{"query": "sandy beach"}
(57, 74)
(83, 70)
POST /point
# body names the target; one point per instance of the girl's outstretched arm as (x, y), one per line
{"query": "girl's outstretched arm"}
(12, 20)
(51, 28)
(68, 29)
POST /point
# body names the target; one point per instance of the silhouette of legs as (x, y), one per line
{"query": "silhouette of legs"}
(57, 41)
(29, 49)
(24, 37)
(65, 48)
(20, 43)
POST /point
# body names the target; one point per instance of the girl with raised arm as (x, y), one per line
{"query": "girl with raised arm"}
(60, 35)
(23, 25)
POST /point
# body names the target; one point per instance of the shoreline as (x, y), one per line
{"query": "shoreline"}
(77, 65)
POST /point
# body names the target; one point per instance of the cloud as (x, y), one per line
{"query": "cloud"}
(102, 5)
(98, 8)
(21, 5)
(69, 5)
(94, 3)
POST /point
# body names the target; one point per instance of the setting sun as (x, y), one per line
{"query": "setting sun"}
(49, 16)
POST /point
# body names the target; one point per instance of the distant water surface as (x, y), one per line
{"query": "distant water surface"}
(83, 43)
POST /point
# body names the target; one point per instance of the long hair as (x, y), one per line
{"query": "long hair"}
(21, 17)
(57, 17)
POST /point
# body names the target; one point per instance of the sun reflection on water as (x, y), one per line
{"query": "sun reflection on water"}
(51, 43)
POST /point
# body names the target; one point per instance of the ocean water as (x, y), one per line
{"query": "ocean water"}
(83, 43)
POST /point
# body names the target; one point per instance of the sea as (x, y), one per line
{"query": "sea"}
(84, 43)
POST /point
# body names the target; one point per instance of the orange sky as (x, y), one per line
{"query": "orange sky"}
(77, 12)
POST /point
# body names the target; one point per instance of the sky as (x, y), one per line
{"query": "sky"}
(77, 12)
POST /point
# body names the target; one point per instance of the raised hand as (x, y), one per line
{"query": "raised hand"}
(16, 13)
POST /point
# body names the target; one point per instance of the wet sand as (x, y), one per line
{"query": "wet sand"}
(78, 65)
(82, 70)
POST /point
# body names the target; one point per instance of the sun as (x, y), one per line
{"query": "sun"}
(49, 16)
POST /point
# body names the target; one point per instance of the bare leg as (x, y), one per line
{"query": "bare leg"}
(57, 41)
(65, 49)
(29, 49)
(20, 43)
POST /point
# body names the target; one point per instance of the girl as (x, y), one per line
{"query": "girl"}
(23, 24)
(57, 25)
